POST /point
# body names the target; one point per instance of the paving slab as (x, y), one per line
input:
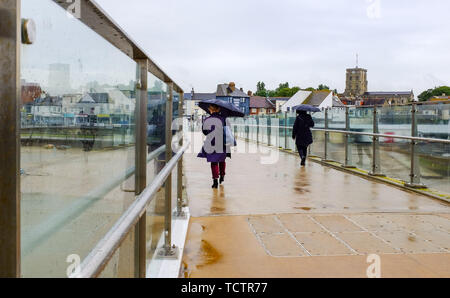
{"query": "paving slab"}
(299, 223)
(265, 224)
(322, 244)
(408, 242)
(281, 245)
(337, 223)
(366, 243)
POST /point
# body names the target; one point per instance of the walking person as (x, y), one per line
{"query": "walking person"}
(302, 135)
(219, 138)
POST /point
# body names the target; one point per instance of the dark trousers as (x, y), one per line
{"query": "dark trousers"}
(218, 168)
(303, 151)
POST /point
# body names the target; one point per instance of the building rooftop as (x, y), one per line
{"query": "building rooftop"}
(317, 97)
(199, 96)
(389, 93)
(226, 90)
(261, 102)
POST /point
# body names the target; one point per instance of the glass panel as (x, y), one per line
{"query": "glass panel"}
(434, 163)
(282, 131)
(318, 146)
(274, 131)
(395, 158)
(121, 265)
(336, 147)
(395, 120)
(433, 121)
(154, 230)
(156, 138)
(290, 124)
(319, 119)
(361, 120)
(78, 116)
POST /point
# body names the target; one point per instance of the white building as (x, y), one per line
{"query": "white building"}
(322, 99)
(298, 99)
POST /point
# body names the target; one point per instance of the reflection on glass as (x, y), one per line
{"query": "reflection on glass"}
(78, 144)
(434, 163)
(361, 120)
(394, 120)
(156, 132)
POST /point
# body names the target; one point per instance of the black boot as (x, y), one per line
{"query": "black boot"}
(215, 183)
(303, 162)
(222, 179)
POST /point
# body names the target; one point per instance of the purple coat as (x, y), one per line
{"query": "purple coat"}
(214, 156)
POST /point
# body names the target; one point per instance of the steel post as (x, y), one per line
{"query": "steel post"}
(169, 251)
(415, 166)
(141, 165)
(326, 138)
(10, 39)
(376, 162)
(348, 163)
(180, 214)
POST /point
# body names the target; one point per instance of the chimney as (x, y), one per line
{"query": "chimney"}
(232, 86)
(250, 93)
(192, 93)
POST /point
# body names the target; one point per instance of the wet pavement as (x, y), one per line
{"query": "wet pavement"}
(281, 220)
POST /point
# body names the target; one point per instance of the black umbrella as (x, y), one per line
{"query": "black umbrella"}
(226, 109)
(306, 108)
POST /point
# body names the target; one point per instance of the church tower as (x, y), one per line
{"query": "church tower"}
(356, 83)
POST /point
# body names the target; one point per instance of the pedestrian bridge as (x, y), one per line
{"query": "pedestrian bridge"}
(97, 180)
(283, 220)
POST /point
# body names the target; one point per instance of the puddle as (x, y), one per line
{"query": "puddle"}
(304, 208)
(198, 252)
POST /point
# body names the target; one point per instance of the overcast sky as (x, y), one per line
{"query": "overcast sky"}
(404, 44)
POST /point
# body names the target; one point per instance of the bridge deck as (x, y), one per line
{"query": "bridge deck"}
(280, 220)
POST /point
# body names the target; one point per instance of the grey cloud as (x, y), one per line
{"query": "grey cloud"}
(307, 42)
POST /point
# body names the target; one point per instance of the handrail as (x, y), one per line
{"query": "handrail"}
(430, 140)
(42, 231)
(99, 257)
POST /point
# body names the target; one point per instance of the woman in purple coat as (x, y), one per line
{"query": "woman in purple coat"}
(214, 149)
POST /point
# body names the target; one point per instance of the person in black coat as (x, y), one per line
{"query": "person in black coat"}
(302, 135)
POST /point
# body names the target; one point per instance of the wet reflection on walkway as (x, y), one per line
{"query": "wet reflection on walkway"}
(284, 187)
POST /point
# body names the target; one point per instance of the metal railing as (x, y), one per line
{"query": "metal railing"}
(97, 260)
(260, 128)
(16, 33)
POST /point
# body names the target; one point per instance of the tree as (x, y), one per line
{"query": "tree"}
(323, 87)
(283, 86)
(438, 91)
(283, 90)
(261, 89)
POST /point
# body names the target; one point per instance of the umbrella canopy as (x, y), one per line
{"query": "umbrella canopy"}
(226, 109)
(306, 108)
